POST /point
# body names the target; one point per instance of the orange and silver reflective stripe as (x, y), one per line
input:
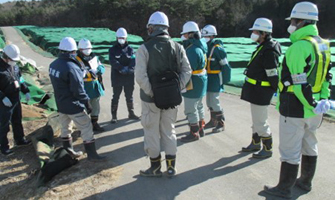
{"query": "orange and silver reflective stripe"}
(209, 71)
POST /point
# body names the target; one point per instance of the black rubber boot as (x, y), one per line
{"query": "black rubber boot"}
(266, 152)
(92, 154)
(96, 126)
(288, 175)
(193, 135)
(155, 168)
(67, 144)
(308, 167)
(170, 165)
(131, 114)
(255, 144)
(201, 128)
(114, 112)
(220, 126)
(212, 121)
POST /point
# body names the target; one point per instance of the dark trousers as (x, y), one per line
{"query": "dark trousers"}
(128, 91)
(11, 115)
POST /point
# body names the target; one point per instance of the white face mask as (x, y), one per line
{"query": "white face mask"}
(87, 52)
(254, 37)
(291, 29)
(183, 38)
(11, 63)
(121, 41)
(207, 39)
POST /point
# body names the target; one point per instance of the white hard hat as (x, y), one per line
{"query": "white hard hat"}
(84, 44)
(208, 30)
(305, 10)
(12, 51)
(68, 44)
(262, 24)
(190, 27)
(121, 32)
(158, 18)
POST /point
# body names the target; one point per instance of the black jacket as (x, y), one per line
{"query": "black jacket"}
(263, 67)
(119, 58)
(66, 78)
(8, 75)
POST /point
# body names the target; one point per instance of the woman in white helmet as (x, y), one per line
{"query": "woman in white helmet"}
(216, 63)
(304, 81)
(196, 49)
(260, 85)
(92, 79)
(10, 107)
(122, 60)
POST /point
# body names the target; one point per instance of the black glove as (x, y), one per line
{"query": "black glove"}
(88, 107)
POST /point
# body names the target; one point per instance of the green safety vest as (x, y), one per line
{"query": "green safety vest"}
(317, 73)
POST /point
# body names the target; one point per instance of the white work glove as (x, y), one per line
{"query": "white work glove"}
(28, 96)
(7, 102)
(323, 106)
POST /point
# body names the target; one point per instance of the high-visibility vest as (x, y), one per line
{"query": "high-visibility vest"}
(202, 71)
(318, 72)
(209, 71)
(88, 76)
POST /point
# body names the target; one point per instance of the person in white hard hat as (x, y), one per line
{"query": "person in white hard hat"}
(11, 83)
(93, 83)
(304, 81)
(196, 50)
(122, 60)
(260, 85)
(158, 124)
(216, 63)
(66, 75)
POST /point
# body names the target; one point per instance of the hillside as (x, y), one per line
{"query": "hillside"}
(232, 17)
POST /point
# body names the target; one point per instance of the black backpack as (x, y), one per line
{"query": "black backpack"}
(166, 89)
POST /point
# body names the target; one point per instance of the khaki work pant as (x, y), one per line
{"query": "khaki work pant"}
(213, 101)
(95, 103)
(298, 136)
(82, 122)
(259, 116)
(159, 130)
(194, 110)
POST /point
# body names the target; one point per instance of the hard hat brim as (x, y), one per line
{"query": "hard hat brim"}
(16, 58)
(289, 18)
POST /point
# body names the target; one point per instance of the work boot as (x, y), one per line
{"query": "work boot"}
(131, 112)
(154, 170)
(7, 152)
(201, 128)
(23, 142)
(219, 122)
(255, 144)
(67, 144)
(288, 175)
(212, 121)
(114, 112)
(266, 152)
(96, 126)
(170, 165)
(308, 166)
(193, 135)
(92, 154)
